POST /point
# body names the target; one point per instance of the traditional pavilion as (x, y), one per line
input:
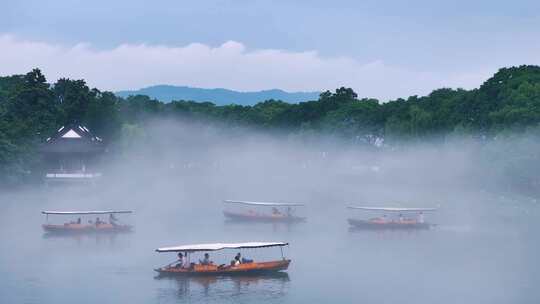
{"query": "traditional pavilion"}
(72, 155)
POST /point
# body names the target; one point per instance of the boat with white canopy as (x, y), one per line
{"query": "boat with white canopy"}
(280, 212)
(110, 224)
(392, 218)
(239, 265)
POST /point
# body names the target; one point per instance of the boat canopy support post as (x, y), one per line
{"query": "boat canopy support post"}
(282, 257)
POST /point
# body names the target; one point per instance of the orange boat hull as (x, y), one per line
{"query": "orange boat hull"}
(246, 268)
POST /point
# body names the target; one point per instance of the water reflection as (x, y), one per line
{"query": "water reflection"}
(269, 286)
(99, 238)
(87, 241)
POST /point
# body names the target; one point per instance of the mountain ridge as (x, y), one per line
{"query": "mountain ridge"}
(218, 96)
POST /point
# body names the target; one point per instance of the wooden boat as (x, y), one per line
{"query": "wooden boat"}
(75, 227)
(383, 222)
(283, 216)
(376, 224)
(244, 268)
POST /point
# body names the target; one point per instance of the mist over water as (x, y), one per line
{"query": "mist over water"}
(174, 177)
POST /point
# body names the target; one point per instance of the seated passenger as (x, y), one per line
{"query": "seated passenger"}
(275, 211)
(112, 219)
(237, 259)
(245, 261)
(206, 260)
(79, 221)
(181, 261)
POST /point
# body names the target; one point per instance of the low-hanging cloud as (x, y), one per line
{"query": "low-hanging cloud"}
(230, 65)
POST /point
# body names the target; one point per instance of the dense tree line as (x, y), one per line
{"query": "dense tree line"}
(32, 109)
(509, 101)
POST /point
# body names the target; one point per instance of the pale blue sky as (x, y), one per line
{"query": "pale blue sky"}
(450, 39)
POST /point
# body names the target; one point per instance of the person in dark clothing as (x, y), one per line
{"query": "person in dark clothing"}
(237, 259)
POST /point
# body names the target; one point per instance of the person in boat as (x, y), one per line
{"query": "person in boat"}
(181, 261)
(98, 221)
(378, 220)
(246, 261)
(401, 218)
(113, 220)
(79, 221)
(237, 259)
(421, 217)
(275, 212)
(206, 260)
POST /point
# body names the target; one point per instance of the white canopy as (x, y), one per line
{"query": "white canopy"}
(86, 212)
(264, 203)
(220, 246)
(393, 209)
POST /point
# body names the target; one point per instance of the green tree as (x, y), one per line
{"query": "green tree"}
(74, 98)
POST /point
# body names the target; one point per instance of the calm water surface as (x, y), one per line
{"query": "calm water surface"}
(485, 250)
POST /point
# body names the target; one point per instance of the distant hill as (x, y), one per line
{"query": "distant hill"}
(167, 93)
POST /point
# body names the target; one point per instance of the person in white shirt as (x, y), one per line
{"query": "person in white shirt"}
(181, 261)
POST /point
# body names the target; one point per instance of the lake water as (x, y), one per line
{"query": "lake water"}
(485, 249)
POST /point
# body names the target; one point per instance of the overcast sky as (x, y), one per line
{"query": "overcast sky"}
(383, 49)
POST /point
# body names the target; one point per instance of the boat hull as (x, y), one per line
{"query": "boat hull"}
(243, 217)
(242, 269)
(370, 225)
(83, 229)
